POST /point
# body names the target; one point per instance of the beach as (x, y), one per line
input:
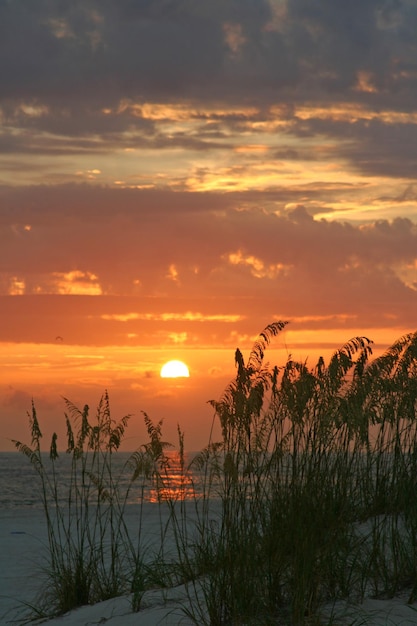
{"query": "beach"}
(23, 550)
(22, 556)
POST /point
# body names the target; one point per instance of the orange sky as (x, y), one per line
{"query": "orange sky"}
(174, 176)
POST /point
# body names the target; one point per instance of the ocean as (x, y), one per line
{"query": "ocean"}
(18, 482)
(20, 485)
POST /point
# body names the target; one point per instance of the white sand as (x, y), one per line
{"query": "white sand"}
(23, 547)
(22, 550)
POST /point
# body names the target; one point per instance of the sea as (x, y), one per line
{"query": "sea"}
(21, 485)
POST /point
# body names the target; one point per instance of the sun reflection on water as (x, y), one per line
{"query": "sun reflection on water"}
(175, 481)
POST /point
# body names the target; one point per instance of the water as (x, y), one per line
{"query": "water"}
(20, 485)
(18, 482)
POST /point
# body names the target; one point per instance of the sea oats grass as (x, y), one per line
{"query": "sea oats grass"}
(316, 475)
(92, 555)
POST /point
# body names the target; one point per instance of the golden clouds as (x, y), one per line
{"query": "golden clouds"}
(257, 267)
(306, 319)
(62, 283)
(188, 316)
(77, 283)
(173, 273)
(120, 317)
(353, 112)
(252, 149)
(16, 287)
(183, 112)
(89, 174)
(178, 337)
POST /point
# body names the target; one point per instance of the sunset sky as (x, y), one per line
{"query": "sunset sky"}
(177, 174)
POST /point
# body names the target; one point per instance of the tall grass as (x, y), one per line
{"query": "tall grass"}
(309, 496)
(92, 556)
(307, 456)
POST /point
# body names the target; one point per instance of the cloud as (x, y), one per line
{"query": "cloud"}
(22, 401)
(256, 156)
(231, 265)
(98, 232)
(84, 56)
(128, 87)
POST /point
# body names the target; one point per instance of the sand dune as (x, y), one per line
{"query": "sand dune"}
(22, 552)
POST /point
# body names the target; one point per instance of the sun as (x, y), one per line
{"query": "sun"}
(175, 369)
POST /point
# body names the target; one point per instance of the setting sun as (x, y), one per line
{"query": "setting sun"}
(175, 369)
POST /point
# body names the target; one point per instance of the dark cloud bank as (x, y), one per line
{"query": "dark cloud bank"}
(77, 58)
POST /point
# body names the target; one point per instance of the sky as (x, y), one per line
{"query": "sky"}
(177, 174)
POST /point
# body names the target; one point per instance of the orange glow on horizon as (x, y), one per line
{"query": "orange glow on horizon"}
(48, 372)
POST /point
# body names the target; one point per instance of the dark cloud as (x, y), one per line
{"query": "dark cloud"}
(74, 75)
(371, 146)
(99, 53)
(86, 55)
(335, 38)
